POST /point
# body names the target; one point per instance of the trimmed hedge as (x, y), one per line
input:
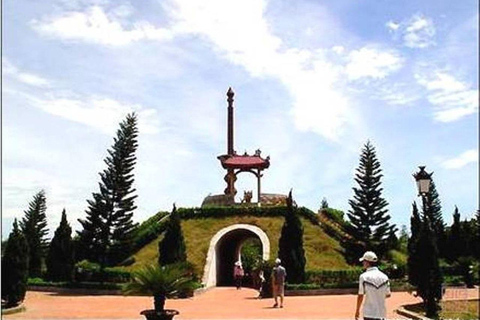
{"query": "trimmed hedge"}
(218, 212)
(38, 282)
(149, 230)
(86, 271)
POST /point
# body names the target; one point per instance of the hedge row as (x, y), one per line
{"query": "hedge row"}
(74, 285)
(149, 230)
(86, 271)
(216, 212)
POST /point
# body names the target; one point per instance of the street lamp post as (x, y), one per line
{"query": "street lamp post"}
(424, 181)
(430, 292)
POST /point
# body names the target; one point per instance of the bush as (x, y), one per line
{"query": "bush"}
(86, 271)
(38, 282)
(333, 278)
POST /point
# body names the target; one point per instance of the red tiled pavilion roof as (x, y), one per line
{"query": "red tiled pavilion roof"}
(244, 162)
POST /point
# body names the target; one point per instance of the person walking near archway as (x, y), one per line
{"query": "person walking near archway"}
(278, 282)
(238, 274)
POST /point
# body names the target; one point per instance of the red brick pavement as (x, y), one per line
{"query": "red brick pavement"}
(218, 303)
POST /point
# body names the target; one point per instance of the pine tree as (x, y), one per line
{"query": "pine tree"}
(290, 245)
(429, 286)
(436, 218)
(324, 204)
(455, 242)
(60, 262)
(368, 216)
(172, 247)
(34, 227)
(413, 260)
(15, 268)
(108, 229)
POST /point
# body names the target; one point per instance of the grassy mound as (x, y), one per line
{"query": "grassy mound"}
(321, 251)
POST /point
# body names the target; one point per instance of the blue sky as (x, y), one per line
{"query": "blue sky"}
(314, 80)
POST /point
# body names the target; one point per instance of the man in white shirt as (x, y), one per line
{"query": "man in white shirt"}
(375, 287)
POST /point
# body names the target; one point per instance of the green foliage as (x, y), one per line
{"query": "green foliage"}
(368, 216)
(108, 230)
(332, 278)
(413, 261)
(150, 229)
(436, 218)
(429, 286)
(59, 261)
(15, 268)
(290, 245)
(324, 204)
(172, 247)
(34, 227)
(251, 253)
(86, 271)
(38, 282)
(221, 212)
(161, 282)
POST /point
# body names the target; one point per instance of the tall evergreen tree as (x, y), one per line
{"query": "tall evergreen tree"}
(368, 216)
(34, 227)
(15, 268)
(290, 245)
(435, 215)
(108, 229)
(455, 242)
(172, 247)
(413, 260)
(60, 262)
(429, 286)
(324, 204)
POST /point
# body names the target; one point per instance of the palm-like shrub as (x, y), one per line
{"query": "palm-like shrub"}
(161, 282)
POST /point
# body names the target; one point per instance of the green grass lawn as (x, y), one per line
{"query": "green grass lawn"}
(458, 309)
(321, 251)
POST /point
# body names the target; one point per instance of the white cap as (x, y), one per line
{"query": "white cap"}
(238, 263)
(278, 261)
(369, 256)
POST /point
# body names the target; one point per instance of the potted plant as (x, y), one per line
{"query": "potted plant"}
(161, 282)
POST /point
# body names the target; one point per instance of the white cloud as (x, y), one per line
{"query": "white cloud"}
(392, 25)
(28, 78)
(372, 63)
(452, 98)
(97, 26)
(416, 32)
(319, 105)
(103, 114)
(469, 156)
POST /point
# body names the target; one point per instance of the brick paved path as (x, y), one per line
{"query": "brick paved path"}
(218, 303)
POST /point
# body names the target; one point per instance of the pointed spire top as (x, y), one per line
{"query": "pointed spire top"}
(230, 93)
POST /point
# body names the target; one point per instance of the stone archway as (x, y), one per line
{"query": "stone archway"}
(225, 249)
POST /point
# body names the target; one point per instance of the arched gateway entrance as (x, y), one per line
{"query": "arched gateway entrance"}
(225, 249)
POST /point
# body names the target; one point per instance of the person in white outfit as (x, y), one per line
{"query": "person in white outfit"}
(374, 288)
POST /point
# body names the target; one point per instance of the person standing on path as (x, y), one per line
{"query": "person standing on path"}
(375, 287)
(238, 274)
(278, 282)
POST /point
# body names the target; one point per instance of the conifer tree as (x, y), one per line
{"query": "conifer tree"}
(34, 227)
(290, 245)
(455, 242)
(60, 262)
(413, 259)
(368, 216)
(324, 204)
(15, 268)
(435, 215)
(108, 229)
(429, 286)
(172, 247)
